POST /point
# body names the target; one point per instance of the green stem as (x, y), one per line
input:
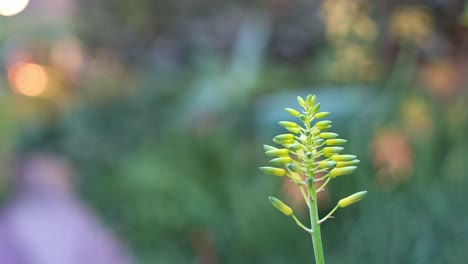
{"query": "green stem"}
(322, 187)
(304, 195)
(329, 215)
(299, 223)
(314, 222)
(312, 201)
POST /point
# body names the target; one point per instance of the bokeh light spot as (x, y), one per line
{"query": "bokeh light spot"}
(12, 7)
(27, 78)
(67, 54)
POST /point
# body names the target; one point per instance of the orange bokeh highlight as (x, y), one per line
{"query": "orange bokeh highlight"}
(27, 78)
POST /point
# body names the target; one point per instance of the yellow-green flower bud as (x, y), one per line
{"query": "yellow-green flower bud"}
(309, 155)
(333, 142)
(327, 164)
(295, 146)
(341, 164)
(273, 171)
(303, 118)
(292, 167)
(333, 149)
(322, 114)
(318, 142)
(303, 138)
(311, 99)
(342, 171)
(283, 142)
(282, 207)
(343, 157)
(268, 147)
(314, 152)
(315, 132)
(284, 137)
(277, 152)
(322, 128)
(281, 160)
(292, 112)
(315, 109)
(323, 123)
(288, 124)
(327, 135)
(294, 176)
(287, 144)
(352, 199)
(295, 130)
(301, 101)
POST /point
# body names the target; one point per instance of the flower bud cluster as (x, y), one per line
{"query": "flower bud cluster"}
(308, 148)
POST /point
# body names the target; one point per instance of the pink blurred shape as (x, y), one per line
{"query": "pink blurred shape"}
(45, 223)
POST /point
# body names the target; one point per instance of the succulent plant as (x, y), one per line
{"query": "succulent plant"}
(309, 154)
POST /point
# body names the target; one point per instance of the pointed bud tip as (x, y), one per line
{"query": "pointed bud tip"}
(281, 161)
(315, 109)
(323, 123)
(342, 171)
(301, 101)
(333, 149)
(322, 114)
(344, 157)
(354, 198)
(340, 164)
(273, 171)
(288, 124)
(284, 137)
(332, 142)
(292, 112)
(277, 152)
(327, 164)
(328, 135)
(282, 207)
(268, 147)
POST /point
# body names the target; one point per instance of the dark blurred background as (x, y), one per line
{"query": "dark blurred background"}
(162, 107)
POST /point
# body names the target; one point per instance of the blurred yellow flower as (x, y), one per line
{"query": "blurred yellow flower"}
(353, 62)
(338, 15)
(365, 27)
(351, 33)
(343, 17)
(417, 119)
(412, 24)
